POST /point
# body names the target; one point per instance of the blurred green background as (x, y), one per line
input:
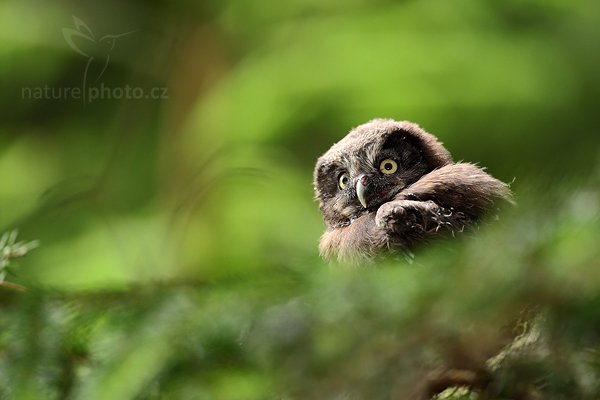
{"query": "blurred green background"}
(178, 254)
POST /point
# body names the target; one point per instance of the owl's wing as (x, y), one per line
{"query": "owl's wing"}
(461, 187)
(447, 200)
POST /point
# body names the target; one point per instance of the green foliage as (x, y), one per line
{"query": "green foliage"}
(10, 249)
(179, 256)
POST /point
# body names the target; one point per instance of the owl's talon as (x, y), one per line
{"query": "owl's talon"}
(395, 216)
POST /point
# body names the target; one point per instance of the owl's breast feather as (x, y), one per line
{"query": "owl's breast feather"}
(358, 241)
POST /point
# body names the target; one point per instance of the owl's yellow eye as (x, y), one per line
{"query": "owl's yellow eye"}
(343, 181)
(388, 166)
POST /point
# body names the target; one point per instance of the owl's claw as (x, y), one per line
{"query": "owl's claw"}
(391, 216)
(400, 216)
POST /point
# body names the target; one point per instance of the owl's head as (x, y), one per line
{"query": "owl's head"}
(372, 164)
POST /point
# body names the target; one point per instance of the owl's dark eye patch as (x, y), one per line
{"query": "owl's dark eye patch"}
(327, 179)
(329, 171)
(410, 156)
(394, 141)
(325, 169)
(402, 147)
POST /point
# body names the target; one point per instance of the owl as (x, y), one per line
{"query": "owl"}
(389, 186)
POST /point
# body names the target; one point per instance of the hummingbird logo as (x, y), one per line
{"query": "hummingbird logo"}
(97, 50)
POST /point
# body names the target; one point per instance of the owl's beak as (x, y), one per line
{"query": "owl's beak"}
(360, 186)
